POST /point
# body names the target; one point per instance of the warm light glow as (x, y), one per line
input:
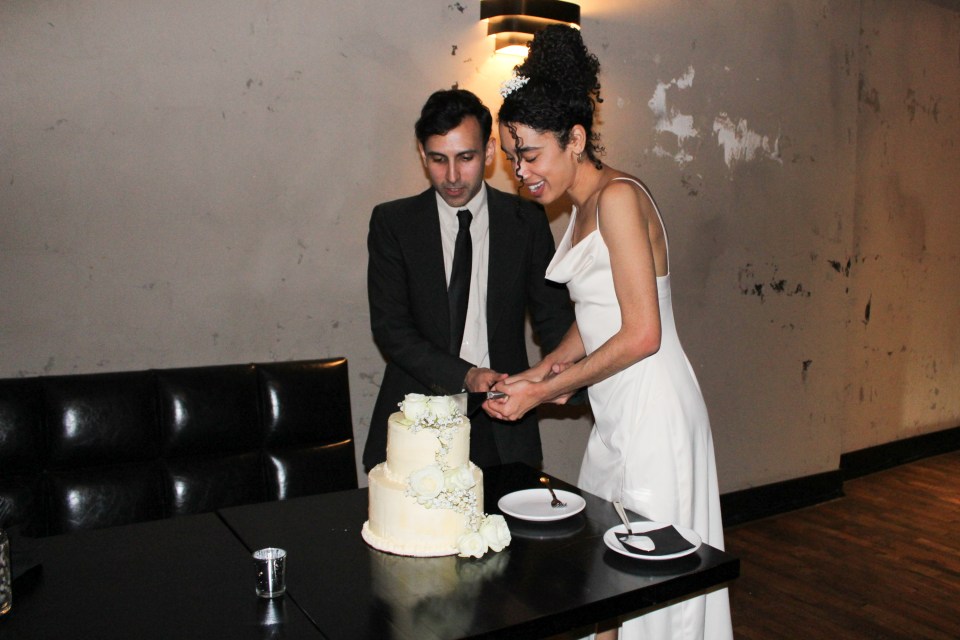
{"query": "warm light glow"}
(512, 43)
(514, 23)
(516, 50)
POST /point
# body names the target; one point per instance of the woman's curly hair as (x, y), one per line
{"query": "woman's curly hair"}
(562, 89)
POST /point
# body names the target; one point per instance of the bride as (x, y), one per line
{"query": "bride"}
(651, 446)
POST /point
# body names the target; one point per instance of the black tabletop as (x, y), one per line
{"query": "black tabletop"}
(186, 577)
(553, 577)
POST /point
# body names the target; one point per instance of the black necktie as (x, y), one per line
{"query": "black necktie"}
(458, 291)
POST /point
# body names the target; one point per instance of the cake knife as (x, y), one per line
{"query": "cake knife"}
(470, 401)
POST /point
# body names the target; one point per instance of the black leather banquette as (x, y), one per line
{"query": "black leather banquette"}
(94, 450)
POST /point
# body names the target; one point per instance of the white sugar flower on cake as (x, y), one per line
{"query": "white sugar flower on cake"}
(427, 483)
(495, 532)
(414, 406)
(443, 407)
(459, 478)
(430, 412)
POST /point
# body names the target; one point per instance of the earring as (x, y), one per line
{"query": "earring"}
(580, 156)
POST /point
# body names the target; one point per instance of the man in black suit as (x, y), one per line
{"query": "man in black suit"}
(412, 244)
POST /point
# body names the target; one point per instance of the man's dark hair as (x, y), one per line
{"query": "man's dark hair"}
(445, 110)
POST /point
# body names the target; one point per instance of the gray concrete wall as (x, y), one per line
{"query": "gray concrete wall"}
(190, 184)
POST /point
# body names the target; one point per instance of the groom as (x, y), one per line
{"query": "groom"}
(427, 252)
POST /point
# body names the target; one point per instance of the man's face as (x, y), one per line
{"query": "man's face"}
(456, 161)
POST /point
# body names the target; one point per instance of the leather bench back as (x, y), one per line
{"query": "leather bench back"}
(95, 450)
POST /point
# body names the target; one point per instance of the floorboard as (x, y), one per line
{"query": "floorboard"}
(881, 563)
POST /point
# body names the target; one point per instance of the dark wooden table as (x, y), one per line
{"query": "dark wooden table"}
(192, 577)
(186, 577)
(552, 578)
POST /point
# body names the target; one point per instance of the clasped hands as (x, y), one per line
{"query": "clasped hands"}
(525, 390)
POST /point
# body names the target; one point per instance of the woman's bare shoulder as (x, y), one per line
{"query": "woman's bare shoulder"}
(622, 191)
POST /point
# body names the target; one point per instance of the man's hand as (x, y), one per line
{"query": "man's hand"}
(482, 379)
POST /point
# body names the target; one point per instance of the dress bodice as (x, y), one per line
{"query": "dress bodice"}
(585, 269)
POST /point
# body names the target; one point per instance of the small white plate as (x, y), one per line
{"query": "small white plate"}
(610, 539)
(534, 504)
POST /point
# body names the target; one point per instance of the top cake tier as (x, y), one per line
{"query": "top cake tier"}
(409, 451)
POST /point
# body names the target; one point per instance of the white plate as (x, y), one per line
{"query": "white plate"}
(610, 539)
(534, 504)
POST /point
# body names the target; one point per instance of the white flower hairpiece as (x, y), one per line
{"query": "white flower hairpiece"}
(509, 86)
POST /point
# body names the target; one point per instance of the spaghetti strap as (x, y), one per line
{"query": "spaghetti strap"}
(643, 188)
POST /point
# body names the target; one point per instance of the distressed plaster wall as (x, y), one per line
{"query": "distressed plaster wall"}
(190, 184)
(904, 266)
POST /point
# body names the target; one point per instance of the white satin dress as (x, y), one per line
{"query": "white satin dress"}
(651, 445)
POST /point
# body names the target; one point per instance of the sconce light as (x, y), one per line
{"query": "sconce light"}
(514, 22)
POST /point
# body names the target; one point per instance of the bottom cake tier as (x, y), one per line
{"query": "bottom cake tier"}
(399, 524)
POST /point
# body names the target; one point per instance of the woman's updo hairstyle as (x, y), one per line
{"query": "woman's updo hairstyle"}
(555, 88)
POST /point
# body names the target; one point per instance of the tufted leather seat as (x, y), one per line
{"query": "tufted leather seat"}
(94, 450)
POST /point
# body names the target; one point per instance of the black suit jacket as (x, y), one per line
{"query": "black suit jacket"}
(407, 290)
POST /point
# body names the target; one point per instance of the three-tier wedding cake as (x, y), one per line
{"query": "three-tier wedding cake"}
(427, 498)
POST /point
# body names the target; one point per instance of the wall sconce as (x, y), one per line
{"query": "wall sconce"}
(514, 22)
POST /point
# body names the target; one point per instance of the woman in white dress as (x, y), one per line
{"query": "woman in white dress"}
(651, 445)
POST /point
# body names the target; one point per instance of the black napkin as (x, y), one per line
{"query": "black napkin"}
(667, 540)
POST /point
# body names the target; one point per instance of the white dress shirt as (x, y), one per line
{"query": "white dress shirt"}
(474, 348)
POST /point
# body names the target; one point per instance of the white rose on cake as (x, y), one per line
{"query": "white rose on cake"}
(471, 544)
(414, 406)
(495, 532)
(443, 407)
(459, 478)
(427, 483)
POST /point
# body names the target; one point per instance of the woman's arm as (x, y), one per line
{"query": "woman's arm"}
(625, 216)
(567, 352)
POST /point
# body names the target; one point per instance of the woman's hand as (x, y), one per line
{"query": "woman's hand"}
(527, 389)
(522, 396)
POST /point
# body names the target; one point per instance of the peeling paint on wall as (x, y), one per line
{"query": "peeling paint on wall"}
(753, 285)
(740, 144)
(671, 121)
(692, 183)
(868, 95)
(930, 107)
(840, 268)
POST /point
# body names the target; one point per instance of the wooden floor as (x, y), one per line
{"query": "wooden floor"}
(881, 562)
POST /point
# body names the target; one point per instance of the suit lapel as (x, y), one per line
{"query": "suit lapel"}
(426, 258)
(507, 242)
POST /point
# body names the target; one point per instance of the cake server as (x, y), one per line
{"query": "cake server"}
(469, 402)
(631, 539)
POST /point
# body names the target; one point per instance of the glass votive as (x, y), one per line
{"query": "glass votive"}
(271, 564)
